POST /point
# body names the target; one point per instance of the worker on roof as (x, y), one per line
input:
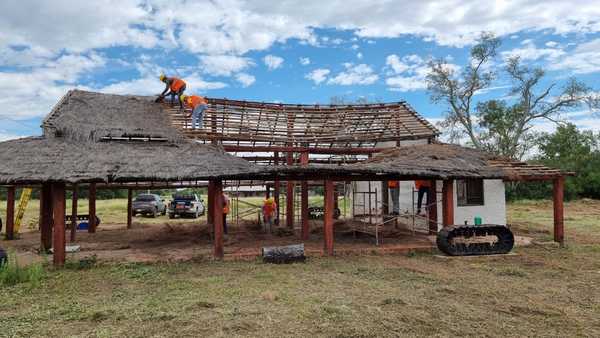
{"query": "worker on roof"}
(394, 187)
(198, 105)
(268, 209)
(173, 86)
(423, 187)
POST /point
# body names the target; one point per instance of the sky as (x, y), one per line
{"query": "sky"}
(279, 51)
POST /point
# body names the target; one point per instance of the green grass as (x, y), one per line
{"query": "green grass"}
(540, 291)
(11, 273)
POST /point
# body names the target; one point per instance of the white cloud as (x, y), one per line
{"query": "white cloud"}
(318, 75)
(272, 61)
(531, 52)
(551, 44)
(245, 80)
(360, 74)
(305, 61)
(224, 65)
(149, 85)
(584, 59)
(407, 73)
(359, 55)
(8, 136)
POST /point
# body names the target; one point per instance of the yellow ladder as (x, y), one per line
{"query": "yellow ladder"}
(23, 201)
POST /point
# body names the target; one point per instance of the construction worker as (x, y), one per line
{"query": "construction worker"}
(198, 105)
(174, 87)
(394, 187)
(268, 209)
(423, 187)
(225, 212)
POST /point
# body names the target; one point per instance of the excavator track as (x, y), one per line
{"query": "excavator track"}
(474, 240)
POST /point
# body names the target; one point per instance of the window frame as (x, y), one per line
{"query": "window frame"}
(468, 201)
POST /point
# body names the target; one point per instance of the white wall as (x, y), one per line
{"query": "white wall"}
(492, 212)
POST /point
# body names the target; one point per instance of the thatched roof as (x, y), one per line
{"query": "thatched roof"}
(84, 116)
(38, 159)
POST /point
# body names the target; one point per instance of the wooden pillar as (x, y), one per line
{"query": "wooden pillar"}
(328, 219)
(558, 197)
(448, 202)
(46, 217)
(385, 198)
(92, 208)
(218, 218)
(58, 238)
(210, 204)
(129, 207)
(276, 188)
(10, 212)
(289, 198)
(304, 200)
(74, 201)
(432, 204)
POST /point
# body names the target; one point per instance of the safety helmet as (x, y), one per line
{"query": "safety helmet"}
(162, 77)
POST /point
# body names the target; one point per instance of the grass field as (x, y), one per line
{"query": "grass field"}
(542, 290)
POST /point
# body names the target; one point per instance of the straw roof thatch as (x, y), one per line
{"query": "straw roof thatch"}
(39, 159)
(90, 116)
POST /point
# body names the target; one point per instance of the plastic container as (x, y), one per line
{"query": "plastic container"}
(477, 220)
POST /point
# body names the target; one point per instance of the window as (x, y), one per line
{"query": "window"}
(469, 192)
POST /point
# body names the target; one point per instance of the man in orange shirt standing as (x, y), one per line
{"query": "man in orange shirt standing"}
(423, 187)
(198, 105)
(394, 187)
(175, 87)
(225, 212)
(268, 210)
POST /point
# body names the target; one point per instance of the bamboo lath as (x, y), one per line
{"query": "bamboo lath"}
(266, 124)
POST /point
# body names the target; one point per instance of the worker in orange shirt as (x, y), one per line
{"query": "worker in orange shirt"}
(225, 212)
(173, 86)
(423, 187)
(198, 105)
(394, 187)
(268, 209)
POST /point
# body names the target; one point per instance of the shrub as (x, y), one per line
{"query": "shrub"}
(11, 273)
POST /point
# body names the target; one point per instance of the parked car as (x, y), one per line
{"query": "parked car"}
(149, 204)
(186, 205)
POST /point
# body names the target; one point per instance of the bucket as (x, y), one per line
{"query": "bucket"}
(478, 220)
(83, 226)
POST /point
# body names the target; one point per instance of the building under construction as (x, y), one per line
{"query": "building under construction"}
(98, 141)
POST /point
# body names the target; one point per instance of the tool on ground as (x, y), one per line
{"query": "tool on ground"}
(23, 201)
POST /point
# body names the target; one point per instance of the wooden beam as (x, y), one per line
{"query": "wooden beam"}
(385, 198)
(10, 212)
(218, 218)
(92, 208)
(210, 204)
(304, 200)
(129, 208)
(433, 209)
(276, 189)
(289, 197)
(46, 217)
(58, 238)
(74, 201)
(328, 219)
(558, 197)
(311, 150)
(448, 203)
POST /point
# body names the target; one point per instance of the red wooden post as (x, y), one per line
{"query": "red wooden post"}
(432, 205)
(210, 204)
(129, 207)
(328, 218)
(10, 213)
(276, 188)
(46, 217)
(289, 198)
(92, 208)
(448, 203)
(304, 200)
(74, 212)
(58, 238)
(558, 196)
(218, 218)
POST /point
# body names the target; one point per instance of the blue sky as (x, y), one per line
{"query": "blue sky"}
(287, 51)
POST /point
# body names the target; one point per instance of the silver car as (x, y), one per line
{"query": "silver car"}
(149, 204)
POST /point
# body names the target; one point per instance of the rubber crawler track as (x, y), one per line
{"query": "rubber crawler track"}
(446, 240)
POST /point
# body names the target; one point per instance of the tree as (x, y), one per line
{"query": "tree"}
(501, 126)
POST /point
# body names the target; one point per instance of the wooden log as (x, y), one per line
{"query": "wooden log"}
(328, 219)
(74, 201)
(557, 198)
(289, 198)
(276, 188)
(129, 208)
(46, 217)
(210, 204)
(92, 208)
(219, 251)
(58, 238)
(448, 203)
(433, 208)
(10, 212)
(304, 200)
(283, 254)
